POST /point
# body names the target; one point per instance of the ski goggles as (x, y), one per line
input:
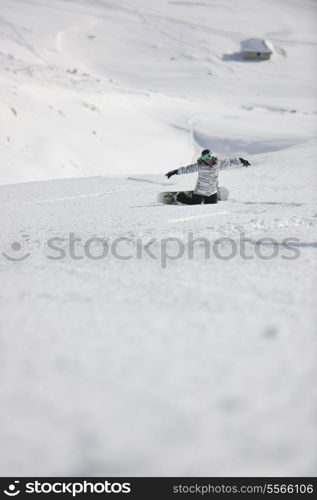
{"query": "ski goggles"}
(208, 156)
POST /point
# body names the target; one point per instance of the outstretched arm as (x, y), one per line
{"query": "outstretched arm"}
(233, 162)
(183, 170)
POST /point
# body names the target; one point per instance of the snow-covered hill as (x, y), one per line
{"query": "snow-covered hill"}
(123, 353)
(167, 78)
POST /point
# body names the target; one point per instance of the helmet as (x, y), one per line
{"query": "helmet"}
(206, 154)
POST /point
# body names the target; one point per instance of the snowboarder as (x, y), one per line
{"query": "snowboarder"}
(208, 167)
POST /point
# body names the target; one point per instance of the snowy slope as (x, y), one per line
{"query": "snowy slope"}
(154, 366)
(70, 68)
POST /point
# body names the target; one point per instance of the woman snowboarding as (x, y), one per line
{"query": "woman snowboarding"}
(208, 167)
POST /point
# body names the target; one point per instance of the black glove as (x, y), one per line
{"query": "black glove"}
(245, 163)
(169, 174)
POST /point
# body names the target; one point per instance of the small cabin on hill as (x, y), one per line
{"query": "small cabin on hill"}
(256, 48)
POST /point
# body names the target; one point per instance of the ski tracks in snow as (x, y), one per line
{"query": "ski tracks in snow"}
(200, 216)
(76, 197)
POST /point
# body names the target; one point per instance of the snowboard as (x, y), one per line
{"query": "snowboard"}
(169, 197)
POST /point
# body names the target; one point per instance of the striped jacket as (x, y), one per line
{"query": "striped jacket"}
(207, 182)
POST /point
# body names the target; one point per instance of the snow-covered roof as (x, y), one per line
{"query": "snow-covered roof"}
(257, 45)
